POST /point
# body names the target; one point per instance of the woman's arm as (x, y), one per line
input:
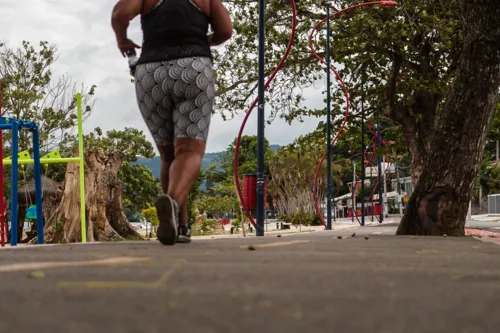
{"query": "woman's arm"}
(123, 12)
(220, 22)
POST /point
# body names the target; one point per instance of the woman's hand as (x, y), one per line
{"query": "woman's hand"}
(127, 45)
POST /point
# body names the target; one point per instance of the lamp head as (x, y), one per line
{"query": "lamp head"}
(389, 4)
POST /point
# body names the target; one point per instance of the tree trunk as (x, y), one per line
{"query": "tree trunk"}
(440, 200)
(106, 220)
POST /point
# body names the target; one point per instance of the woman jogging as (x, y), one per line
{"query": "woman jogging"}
(175, 91)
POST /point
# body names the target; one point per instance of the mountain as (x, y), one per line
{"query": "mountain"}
(154, 163)
(208, 160)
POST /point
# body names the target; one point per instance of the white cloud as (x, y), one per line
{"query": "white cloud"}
(88, 53)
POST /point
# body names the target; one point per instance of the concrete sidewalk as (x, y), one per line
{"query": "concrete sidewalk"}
(309, 282)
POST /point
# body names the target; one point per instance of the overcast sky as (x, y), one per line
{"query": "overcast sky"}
(88, 53)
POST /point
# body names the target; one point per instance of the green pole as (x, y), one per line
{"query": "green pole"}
(82, 166)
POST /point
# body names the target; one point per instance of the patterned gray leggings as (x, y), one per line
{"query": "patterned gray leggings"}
(176, 98)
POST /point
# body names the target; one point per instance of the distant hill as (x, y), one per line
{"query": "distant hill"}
(208, 160)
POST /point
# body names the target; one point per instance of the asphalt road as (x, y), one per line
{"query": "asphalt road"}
(311, 282)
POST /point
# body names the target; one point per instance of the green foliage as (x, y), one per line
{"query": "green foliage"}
(236, 224)
(237, 74)
(151, 215)
(489, 172)
(193, 196)
(493, 133)
(140, 187)
(217, 205)
(285, 218)
(247, 161)
(302, 218)
(130, 141)
(403, 57)
(292, 169)
(221, 196)
(205, 226)
(31, 93)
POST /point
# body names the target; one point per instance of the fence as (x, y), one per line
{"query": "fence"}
(494, 204)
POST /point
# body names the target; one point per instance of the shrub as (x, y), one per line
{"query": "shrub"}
(151, 215)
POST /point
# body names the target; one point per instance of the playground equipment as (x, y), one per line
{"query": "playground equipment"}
(346, 93)
(15, 126)
(23, 158)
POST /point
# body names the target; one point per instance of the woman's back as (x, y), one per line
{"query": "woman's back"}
(174, 29)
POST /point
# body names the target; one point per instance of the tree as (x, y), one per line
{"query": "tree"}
(140, 187)
(412, 63)
(105, 214)
(292, 170)
(221, 199)
(112, 183)
(247, 156)
(31, 93)
(439, 202)
(493, 134)
(216, 205)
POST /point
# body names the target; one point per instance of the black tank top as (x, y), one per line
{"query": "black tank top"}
(174, 29)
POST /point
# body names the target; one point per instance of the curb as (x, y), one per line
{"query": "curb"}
(482, 233)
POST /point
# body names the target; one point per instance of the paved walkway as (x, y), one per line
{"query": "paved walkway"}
(309, 282)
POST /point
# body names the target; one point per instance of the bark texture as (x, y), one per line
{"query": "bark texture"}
(106, 220)
(448, 162)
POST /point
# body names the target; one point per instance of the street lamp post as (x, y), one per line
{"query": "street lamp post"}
(260, 214)
(353, 191)
(362, 157)
(328, 124)
(380, 200)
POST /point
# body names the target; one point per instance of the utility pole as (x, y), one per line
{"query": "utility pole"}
(362, 156)
(371, 189)
(398, 187)
(387, 168)
(334, 205)
(354, 191)
(328, 125)
(260, 214)
(480, 199)
(380, 200)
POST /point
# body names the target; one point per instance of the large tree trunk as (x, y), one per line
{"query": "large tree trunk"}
(450, 163)
(106, 220)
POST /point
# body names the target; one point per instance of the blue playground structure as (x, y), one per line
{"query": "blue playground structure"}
(15, 126)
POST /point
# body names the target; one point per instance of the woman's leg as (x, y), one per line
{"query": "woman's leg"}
(154, 100)
(184, 171)
(193, 94)
(166, 158)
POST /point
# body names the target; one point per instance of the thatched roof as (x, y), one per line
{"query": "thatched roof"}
(26, 194)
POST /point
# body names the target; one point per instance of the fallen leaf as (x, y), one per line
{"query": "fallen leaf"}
(426, 251)
(37, 275)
